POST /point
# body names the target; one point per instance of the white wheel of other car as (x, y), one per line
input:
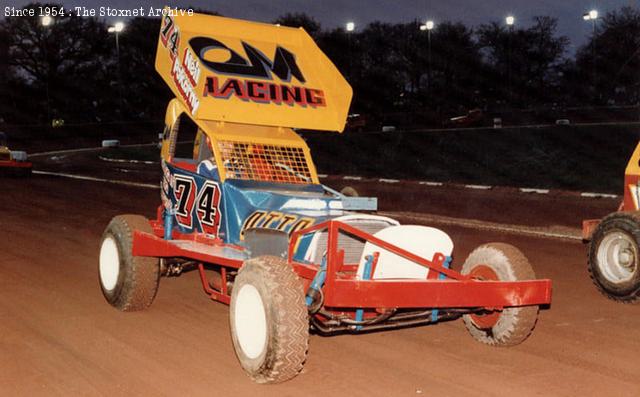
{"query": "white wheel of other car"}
(614, 256)
(617, 255)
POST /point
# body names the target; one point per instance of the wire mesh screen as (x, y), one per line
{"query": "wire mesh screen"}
(259, 162)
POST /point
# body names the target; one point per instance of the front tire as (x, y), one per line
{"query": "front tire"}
(128, 283)
(509, 326)
(268, 320)
(614, 255)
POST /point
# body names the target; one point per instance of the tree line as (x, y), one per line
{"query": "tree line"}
(69, 69)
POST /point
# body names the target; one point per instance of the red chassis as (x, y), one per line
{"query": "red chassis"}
(16, 164)
(343, 290)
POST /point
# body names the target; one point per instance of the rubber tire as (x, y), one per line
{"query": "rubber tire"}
(287, 322)
(514, 324)
(625, 291)
(349, 192)
(138, 277)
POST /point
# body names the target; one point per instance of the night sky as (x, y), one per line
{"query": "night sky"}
(332, 13)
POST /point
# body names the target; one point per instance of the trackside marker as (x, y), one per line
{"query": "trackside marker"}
(598, 195)
(478, 187)
(533, 190)
(127, 161)
(93, 179)
(88, 149)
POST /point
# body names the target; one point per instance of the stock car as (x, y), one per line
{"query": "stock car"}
(614, 242)
(13, 162)
(244, 207)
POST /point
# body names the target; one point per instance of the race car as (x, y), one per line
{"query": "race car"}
(243, 205)
(614, 242)
(13, 162)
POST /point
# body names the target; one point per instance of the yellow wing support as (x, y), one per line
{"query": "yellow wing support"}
(242, 151)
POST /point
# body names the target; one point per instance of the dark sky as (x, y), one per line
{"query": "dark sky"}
(331, 13)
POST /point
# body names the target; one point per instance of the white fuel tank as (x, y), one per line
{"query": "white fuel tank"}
(422, 241)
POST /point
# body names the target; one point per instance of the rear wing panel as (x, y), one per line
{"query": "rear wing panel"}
(231, 70)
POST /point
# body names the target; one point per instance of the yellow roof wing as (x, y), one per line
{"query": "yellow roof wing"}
(237, 71)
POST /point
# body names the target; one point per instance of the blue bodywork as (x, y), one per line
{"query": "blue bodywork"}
(204, 204)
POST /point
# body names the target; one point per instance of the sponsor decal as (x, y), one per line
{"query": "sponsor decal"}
(287, 223)
(186, 73)
(251, 76)
(186, 70)
(263, 92)
(167, 183)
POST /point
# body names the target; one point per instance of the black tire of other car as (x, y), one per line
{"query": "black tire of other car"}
(268, 320)
(128, 283)
(613, 257)
(512, 325)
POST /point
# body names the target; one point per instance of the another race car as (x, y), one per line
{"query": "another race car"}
(13, 162)
(244, 206)
(614, 242)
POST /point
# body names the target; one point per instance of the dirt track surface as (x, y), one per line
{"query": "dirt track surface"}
(59, 336)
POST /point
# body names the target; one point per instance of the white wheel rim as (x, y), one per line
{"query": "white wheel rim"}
(617, 257)
(250, 321)
(109, 263)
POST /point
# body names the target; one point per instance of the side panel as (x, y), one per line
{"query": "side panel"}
(226, 210)
(256, 208)
(196, 201)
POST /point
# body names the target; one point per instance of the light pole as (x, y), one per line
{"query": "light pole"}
(350, 27)
(510, 21)
(117, 28)
(592, 16)
(47, 21)
(428, 26)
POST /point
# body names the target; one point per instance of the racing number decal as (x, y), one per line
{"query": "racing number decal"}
(170, 35)
(205, 200)
(185, 197)
(207, 209)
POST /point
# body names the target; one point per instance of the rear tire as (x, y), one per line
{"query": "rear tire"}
(349, 191)
(268, 319)
(128, 283)
(510, 326)
(614, 255)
